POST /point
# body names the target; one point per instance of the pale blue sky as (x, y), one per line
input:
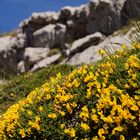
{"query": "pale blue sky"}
(12, 12)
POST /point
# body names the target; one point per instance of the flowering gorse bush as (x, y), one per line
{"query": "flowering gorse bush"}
(92, 102)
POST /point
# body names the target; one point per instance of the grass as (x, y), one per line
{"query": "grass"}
(135, 24)
(53, 51)
(13, 34)
(19, 87)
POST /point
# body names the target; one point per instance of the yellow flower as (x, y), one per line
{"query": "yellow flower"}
(62, 125)
(73, 104)
(119, 128)
(122, 137)
(85, 109)
(85, 126)
(62, 113)
(126, 66)
(52, 115)
(89, 93)
(124, 46)
(93, 111)
(40, 108)
(36, 126)
(48, 96)
(84, 71)
(22, 133)
(134, 76)
(112, 88)
(95, 138)
(87, 78)
(95, 118)
(70, 132)
(69, 108)
(126, 86)
(37, 118)
(30, 113)
(102, 52)
(59, 75)
(84, 115)
(134, 108)
(101, 132)
(66, 131)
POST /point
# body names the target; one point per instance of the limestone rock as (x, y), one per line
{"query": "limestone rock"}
(45, 62)
(75, 19)
(38, 20)
(104, 16)
(21, 67)
(50, 36)
(4, 41)
(33, 55)
(91, 54)
(8, 56)
(83, 43)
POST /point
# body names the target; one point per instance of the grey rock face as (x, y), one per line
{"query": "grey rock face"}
(21, 66)
(104, 16)
(38, 20)
(32, 55)
(8, 56)
(4, 41)
(83, 43)
(91, 54)
(131, 9)
(50, 36)
(75, 19)
(45, 62)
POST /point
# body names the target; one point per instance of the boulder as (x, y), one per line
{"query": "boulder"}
(45, 62)
(8, 56)
(52, 35)
(4, 41)
(83, 43)
(21, 66)
(131, 9)
(91, 54)
(38, 20)
(33, 55)
(19, 42)
(75, 19)
(104, 16)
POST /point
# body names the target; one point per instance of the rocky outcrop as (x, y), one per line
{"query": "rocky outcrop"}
(78, 32)
(91, 54)
(45, 62)
(8, 56)
(75, 19)
(131, 9)
(104, 16)
(85, 42)
(50, 36)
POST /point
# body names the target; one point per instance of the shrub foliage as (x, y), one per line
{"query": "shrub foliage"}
(98, 103)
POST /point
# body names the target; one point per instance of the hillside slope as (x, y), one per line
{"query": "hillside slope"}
(100, 101)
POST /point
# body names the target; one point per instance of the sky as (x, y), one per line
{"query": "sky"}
(12, 12)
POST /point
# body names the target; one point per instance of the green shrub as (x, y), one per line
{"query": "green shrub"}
(20, 86)
(96, 103)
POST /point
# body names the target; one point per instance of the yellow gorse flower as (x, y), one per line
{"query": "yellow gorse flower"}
(52, 116)
(85, 126)
(94, 99)
(71, 132)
